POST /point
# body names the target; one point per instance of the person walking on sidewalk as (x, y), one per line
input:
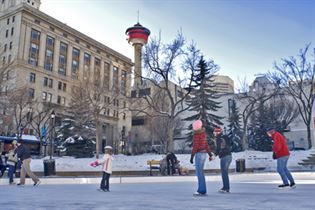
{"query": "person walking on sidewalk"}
(282, 154)
(12, 160)
(199, 152)
(107, 168)
(223, 150)
(24, 154)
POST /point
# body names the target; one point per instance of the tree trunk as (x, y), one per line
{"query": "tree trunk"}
(98, 139)
(309, 136)
(170, 135)
(244, 137)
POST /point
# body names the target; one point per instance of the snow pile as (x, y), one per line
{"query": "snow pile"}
(253, 159)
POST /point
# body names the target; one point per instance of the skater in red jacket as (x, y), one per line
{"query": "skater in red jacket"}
(282, 154)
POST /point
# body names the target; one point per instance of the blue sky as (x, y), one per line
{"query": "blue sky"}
(244, 37)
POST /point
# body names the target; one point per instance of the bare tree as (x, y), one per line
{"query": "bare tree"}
(162, 63)
(89, 105)
(39, 118)
(251, 100)
(20, 103)
(295, 75)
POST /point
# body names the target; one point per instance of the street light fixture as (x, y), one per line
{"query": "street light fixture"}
(49, 165)
(52, 116)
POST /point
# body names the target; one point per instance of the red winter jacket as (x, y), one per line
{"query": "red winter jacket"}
(279, 145)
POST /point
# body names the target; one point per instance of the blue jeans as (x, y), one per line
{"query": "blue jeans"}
(10, 173)
(224, 164)
(283, 170)
(200, 159)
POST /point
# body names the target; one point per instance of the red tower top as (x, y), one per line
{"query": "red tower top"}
(138, 34)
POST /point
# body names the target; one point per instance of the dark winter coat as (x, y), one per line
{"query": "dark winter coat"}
(23, 152)
(223, 146)
(280, 147)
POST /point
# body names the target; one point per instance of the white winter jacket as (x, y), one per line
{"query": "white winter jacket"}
(107, 163)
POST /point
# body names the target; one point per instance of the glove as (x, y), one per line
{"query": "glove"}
(274, 156)
(211, 156)
(192, 159)
(94, 164)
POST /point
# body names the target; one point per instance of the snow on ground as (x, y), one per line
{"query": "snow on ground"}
(253, 159)
(248, 192)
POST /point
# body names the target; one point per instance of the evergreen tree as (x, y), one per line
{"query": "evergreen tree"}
(202, 99)
(260, 121)
(234, 131)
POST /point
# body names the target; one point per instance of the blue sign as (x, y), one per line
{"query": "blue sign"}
(43, 131)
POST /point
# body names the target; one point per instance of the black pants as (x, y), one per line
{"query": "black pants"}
(170, 166)
(105, 181)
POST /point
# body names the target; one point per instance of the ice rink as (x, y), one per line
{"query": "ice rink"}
(248, 191)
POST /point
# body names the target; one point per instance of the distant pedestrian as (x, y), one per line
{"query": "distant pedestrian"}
(282, 154)
(3, 163)
(223, 150)
(11, 161)
(24, 154)
(199, 151)
(107, 168)
(171, 161)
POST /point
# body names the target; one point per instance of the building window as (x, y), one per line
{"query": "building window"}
(144, 92)
(62, 65)
(9, 59)
(123, 85)
(3, 60)
(87, 62)
(35, 35)
(75, 62)
(34, 49)
(106, 75)
(50, 83)
(64, 87)
(13, 19)
(49, 56)
(63, 48)
(12, 31)
(51, 28)
(48, 65)
(62, 58)
(33, 57)
(5, 48)
(45, 81)
(115, 80)
(32, 77)
(8, 21)
(50, 42)
(31, 93)
(44, 96)
(58, 99)
(7, 33)
(49, 97)
(59, 85)
(11, 44)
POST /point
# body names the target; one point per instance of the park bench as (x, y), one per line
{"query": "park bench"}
(153, 165)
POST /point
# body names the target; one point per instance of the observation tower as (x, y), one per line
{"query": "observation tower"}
(137, 36)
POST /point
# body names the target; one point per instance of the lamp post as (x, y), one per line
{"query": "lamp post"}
(52, 136)
(49, 165)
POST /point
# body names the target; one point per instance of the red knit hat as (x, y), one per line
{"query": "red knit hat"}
(217, 130)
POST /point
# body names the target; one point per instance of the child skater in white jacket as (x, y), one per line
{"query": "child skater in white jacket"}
(107, 168)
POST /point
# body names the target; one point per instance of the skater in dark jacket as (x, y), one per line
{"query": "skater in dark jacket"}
(282, 154)
(171, 161)
(223, 150)
(24, 154)
(3, 163)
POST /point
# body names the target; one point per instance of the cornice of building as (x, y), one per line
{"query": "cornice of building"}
(73, 32)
